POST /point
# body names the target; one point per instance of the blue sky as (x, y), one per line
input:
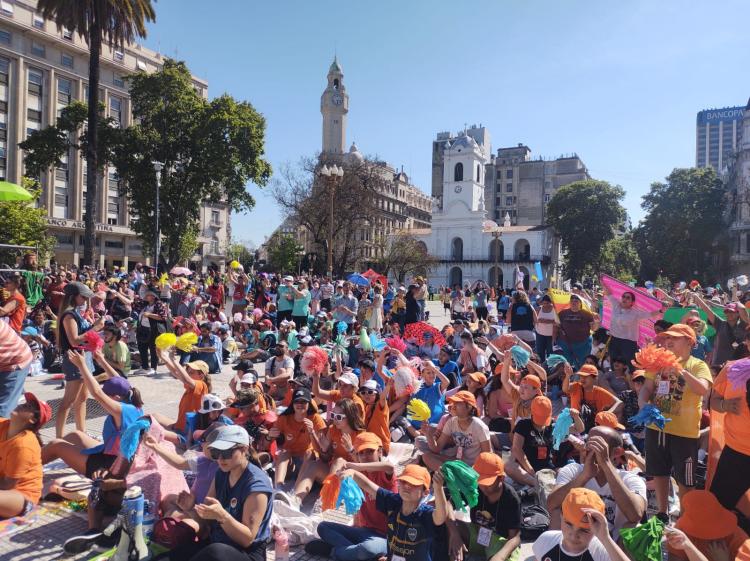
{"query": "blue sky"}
(619, 83)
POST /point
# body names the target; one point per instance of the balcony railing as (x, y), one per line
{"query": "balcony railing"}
(522, 258)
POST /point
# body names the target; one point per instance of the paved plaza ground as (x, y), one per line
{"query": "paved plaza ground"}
(42, 538)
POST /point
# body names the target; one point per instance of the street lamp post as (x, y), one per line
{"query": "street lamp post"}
(331, 176)
(157, 242)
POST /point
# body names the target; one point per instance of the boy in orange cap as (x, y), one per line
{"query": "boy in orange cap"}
(522, 393)
(709, 525)
(411, 523)
(470, 435)
(586, 392)
(366, 539)
(584, 535)
(494, 530)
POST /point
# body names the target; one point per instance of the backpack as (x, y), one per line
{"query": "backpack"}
(535, 520)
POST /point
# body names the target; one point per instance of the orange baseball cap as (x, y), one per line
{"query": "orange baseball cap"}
(478, 377)
(367, 441)
(588, 370)
(704, 518)
(541, 411)
(575, 501)
(532, 380)
(416, 475)
(465, 396)
(680, 330)
(638, 374)
(489, 466)
(608, 419)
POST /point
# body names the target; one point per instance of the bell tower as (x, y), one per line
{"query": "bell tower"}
(334, 105)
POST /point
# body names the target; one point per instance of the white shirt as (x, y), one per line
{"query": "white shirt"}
(552, 539)
(545, 328)
(624, 321)
(612, 512)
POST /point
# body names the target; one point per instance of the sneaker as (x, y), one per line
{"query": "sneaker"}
(150, 372)
(319, 548)
(84, 542)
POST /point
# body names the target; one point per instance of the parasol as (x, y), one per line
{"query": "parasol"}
(358, 279)
(12, 192)
(181, 271)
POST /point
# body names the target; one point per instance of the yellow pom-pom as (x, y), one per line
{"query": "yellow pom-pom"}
(165, 341)
(186, 341)
(234, 264)
(418, 410)
(163, 279)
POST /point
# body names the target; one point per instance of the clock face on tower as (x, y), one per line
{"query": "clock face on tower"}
(458, 189)
(337, 99)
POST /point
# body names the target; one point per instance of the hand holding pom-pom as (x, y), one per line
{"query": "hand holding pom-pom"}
(314, 361)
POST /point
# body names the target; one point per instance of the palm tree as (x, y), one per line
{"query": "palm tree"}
(117, 22)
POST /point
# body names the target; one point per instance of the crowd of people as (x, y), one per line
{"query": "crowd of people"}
(575, 445)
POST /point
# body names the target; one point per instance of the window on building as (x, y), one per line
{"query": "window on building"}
(66, 60)
(215, 217)
(112, 244)
(119, 56)
(118, 81)
(67, 34)
(508, 201)
(547, 197)
(479, 173)
(508, 187)
(5, 37)
(64, 91)
(37, 49)
(38, 21)
(6, 7)
(115, 109)
(140, 65)
(508, 174)
(458, 172)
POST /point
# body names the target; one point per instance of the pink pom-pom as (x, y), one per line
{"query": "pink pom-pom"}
(405, 381)
(739, 373)
(257, 313)
(396, 343)
(92, 341)
(314, 361)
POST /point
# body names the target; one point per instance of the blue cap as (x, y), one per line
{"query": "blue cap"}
(30, 331)
(116, 386)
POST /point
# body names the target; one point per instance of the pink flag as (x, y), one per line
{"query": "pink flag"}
(643, 301)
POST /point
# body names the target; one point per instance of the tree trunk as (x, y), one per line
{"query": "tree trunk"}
(92, 165)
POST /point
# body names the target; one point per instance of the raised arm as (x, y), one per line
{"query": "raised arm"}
(110, 405)
(705, 307)
(505, 375)
(176, 369)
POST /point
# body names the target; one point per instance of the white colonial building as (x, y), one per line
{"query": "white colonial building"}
(458, 236)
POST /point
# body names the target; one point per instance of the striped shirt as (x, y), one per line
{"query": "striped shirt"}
(14, 352)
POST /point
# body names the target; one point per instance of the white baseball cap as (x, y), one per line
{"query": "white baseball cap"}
(248, 378)
(228, 437)
(211, 402)
(349, 378)
(288, 278)
(370, 385)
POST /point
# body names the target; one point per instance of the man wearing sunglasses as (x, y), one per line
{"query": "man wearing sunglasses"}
(279, 370)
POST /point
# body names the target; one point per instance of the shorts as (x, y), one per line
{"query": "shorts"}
(496, 544)
(730, 482)
(71, 370)
(28, 506)
(667, 454)
(98, 461)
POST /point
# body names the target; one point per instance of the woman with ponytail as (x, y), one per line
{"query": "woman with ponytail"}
(123, 405)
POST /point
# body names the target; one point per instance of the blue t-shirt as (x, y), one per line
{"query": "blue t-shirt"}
(504, 303)
(204, 474)
(301, 305)
(408, 536)
(452, 372)
(434, 399)
(282, 304)
(111, 434)
(253, 480)
(210, 341)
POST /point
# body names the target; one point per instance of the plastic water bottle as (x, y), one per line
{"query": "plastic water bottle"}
(148, 519)
(281, 546)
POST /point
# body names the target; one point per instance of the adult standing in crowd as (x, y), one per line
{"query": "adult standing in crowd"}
(730, 332)
(624, 325)
(574, 336)
(151, 324)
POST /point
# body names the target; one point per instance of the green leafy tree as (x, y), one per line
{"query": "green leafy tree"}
(21, 223)
(284, 253)
(678, 237)
(242, 252)
(585, 215)
(619, 258)
(112, 21)
(403, 255)
(209, 151)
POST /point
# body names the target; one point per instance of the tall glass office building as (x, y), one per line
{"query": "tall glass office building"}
(716, 136)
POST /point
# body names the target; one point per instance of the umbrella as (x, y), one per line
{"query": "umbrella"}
(358, 279)
(12, 192)
(181, 271)
(418, 329)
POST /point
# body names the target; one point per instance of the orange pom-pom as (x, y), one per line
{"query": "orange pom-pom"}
(654, 359)
(329, 493)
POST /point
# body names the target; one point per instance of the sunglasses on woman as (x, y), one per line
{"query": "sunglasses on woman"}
(367, 392)
(338, 416)
(221, 454)
(209, 405)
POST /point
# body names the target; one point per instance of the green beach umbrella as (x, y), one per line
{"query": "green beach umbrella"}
(12, 192)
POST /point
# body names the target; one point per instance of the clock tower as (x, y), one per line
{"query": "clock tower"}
(334, 105)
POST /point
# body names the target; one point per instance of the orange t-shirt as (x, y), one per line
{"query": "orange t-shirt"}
(377, 420)
(190, 402)
(15, 319)
(599, 398)
(21, 459)
(736, 427)
(297, 440)
(336, 397)
(337, 449)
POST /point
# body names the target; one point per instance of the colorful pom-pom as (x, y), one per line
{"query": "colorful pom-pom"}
(461, 481)
(418, 410)
(396, 343)
(562, 427)
(655, 359)
(553, 361)
(234, 264)
(165, 341)
(92, 341)
(314, 361)
(186, 341)
(649, 415)
(738, 373)
(329, 492)
(351, 496)
(520, 356)
(364, 340)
